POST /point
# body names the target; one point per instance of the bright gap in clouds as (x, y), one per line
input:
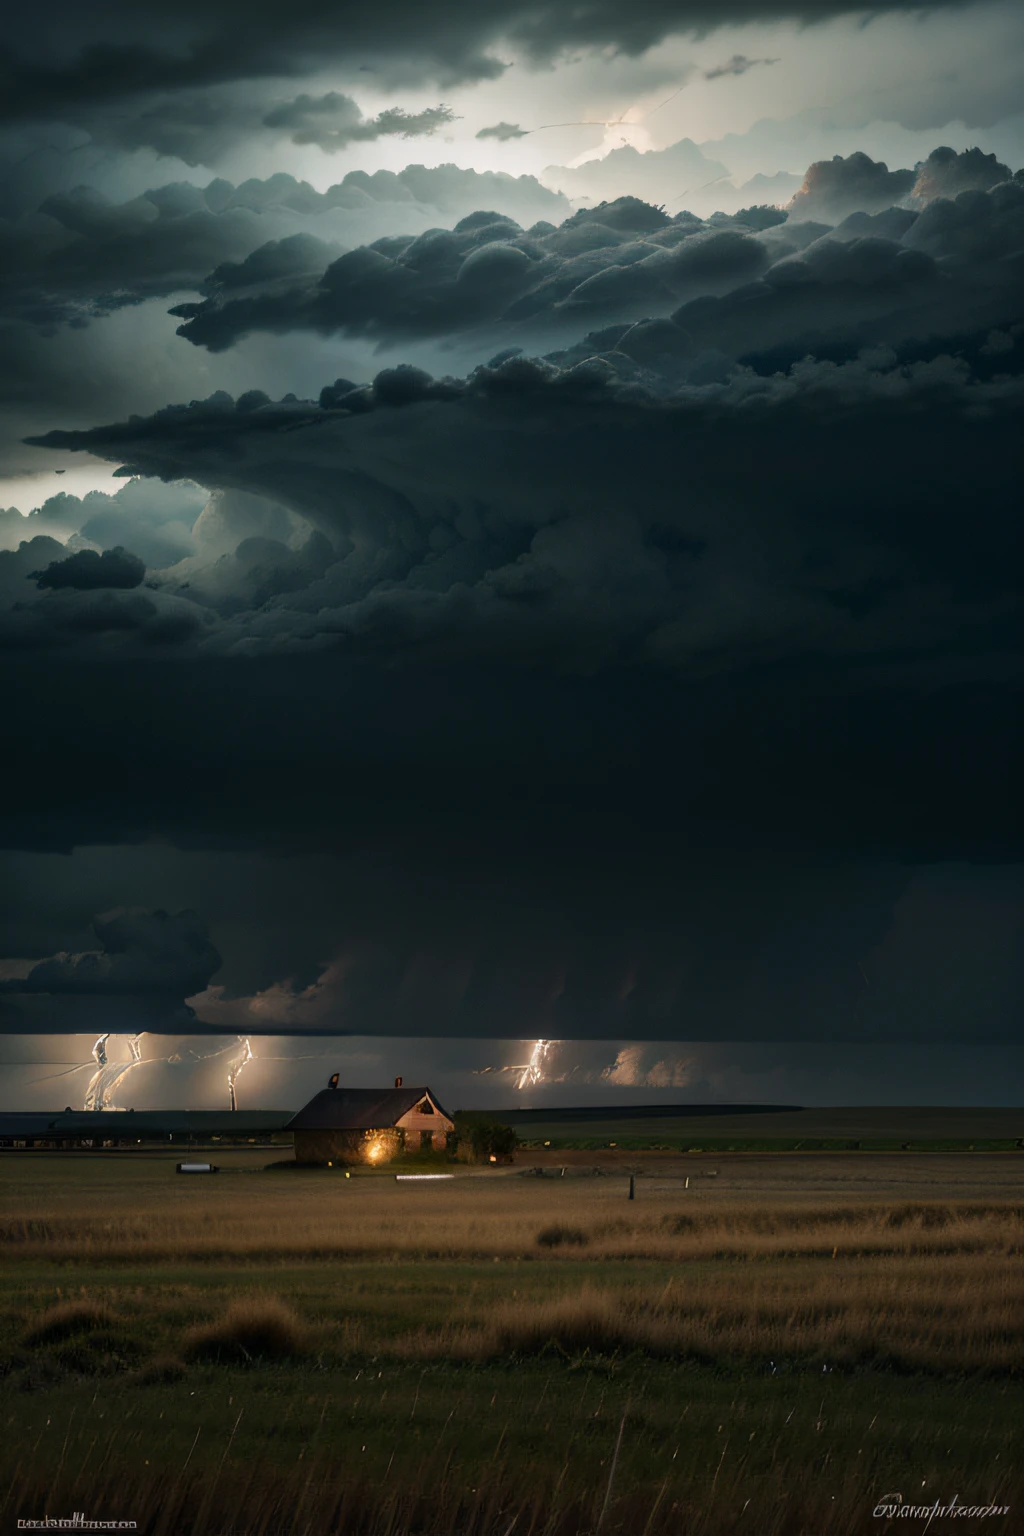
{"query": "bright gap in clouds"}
(28, 492)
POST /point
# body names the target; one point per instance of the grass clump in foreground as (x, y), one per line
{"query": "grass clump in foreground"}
(558, 1236)
(588, 1322)
(253, 1328)
(66, 1319)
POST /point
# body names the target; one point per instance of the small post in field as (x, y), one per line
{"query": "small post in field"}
(632, 1187)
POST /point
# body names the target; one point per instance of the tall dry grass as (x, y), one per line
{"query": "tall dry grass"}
(905, 1316)
(67, 1318)
(368, 1219)
(253, 1328)
(916, 1284)
(910, 1313)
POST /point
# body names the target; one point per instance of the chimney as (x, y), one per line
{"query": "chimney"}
(398, 1082)
(334, 1080)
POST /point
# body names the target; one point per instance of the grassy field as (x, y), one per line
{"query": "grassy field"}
(842, 1128)
(770, 1348)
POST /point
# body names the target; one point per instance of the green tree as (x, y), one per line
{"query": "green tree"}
(489, 1140)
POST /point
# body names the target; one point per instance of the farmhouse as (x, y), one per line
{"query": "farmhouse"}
(369, 1125)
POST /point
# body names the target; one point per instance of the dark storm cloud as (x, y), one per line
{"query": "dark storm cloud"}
(333, 121)
(816, 953)
(834, 188)
(50, 598)
(531, 851)
(976, 229)
(619, 257)
(503, 132)
(565, 957)
(100, 620)
(753, 281)
(198, 127)
(497, 516)
(847, 290)
(739, 64)
(71, 61)
(377, 288)
(601, 944)
(622, 686)
(144, 966)
(946, 174)
(87, 570)
(138, 953)
(80, 256)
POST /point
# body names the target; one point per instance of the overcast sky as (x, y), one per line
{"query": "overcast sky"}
(511, 535)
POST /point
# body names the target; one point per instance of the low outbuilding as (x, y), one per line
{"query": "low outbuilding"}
(369, 1125)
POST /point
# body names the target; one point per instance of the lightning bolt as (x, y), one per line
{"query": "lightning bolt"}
(135, 1050)
(531, 1072)
(104, 1081)
(236, 1070)
(94, 1092)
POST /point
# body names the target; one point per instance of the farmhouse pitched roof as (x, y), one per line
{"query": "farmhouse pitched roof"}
(359, 1109)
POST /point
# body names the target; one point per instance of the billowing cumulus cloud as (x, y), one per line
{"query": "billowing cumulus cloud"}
(136, 979)
(731, 286)
(618, 258)
(144, 965)
(946, 174)
(101, 619)
(87, 570)
(138, 952)
(677, 176)
(565, 565)
(80, 255)
(976, 229)
(834, 188)
(157, 520)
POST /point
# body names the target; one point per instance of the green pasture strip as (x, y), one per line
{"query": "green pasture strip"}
(626, 1143)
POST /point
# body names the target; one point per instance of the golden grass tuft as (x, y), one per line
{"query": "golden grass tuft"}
(253, 1328)
(558, 1235)
(590, 1320)
(899, 1315)
(65, 1320)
